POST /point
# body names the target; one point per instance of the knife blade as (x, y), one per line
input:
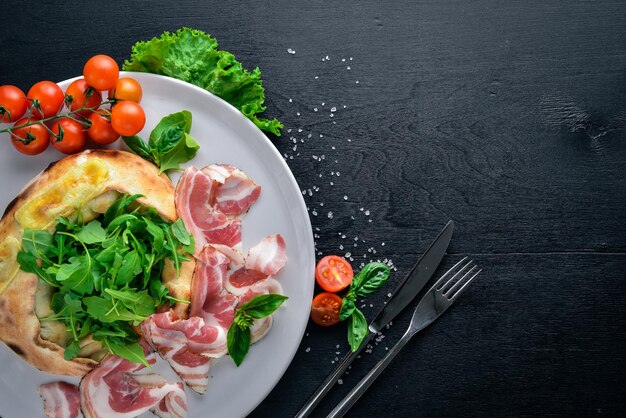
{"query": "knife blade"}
(405, 293)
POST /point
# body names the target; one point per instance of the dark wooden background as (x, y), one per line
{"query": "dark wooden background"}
(507, 117)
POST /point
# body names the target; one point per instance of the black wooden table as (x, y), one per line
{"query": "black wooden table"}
(507, 117)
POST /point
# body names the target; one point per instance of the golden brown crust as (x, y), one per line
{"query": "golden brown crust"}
(19, 326)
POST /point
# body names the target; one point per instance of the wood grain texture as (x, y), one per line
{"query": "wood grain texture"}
(507, 117)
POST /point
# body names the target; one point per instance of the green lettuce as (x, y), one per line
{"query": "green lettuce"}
(192, 56)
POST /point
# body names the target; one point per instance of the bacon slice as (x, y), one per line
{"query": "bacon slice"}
(236, 192)
(195, 196)
(174, 405)
(188, 345)
(114, 390)
(60, 400)
(265, 259)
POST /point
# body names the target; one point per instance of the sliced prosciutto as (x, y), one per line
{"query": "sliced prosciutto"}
(115, 390)
(195, 197)
(174, 405)
(236, 192)
(265, 259)
(187, 344)
(60, 400)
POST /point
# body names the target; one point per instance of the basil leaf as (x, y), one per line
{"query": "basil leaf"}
(36, 242)
(262, 305)
(92, 233)
(357, 329)
(238, 342)
(131, 351)
(169, 131)
(347, 307)
(184, 151)
(370, 279)
(139, 147)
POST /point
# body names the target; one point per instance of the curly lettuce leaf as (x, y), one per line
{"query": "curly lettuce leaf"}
(192, 56)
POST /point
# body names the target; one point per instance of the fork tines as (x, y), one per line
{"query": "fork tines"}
(452, 287)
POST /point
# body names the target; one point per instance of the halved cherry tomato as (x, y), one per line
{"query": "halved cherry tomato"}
(13, 103)
(325, 309)
(333, 273)
(83, 95)
(127, 118)
(126, 89)
(101, 131)
(72, 136)
(48, 97)
(31, 140)
(101, 72)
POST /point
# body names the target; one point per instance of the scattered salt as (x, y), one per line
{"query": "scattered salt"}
(308, 349)
(340, 382)
(291, 51)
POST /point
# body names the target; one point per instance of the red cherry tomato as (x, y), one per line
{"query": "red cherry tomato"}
(31, 140)
(325, 309)
(13, 103)
(71, 136)
(101, 131)
(48, 97)
(126, 89)
(83, 95)
(127, 118)
(333, 273)
(101, 72)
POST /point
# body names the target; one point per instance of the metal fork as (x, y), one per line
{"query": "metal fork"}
(434, 303)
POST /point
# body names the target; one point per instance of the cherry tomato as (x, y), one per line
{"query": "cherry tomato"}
(48, 96)
(325, 309)
(83, 95)
(101, 72)
(72, 136)
(127, 118)
(13, 103)
(31, 140)
(126, 89)
(333, 273)
(101, 131)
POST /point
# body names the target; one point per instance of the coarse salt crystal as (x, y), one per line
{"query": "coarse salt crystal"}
(333, 109)
(340, 382)
(291, 51)
(308, 349)
(367, 213)
(290, 101)
(330, 215)
(315, 109)
(348, 68)
(344, 197)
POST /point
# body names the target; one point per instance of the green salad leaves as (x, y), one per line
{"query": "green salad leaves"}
(192, 56)
(239, 335)
(170, 144)
(106, 273)
(368, 281)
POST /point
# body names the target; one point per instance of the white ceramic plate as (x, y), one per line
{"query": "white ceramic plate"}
(225, 136)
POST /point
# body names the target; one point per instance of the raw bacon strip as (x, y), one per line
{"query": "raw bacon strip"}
(260, 327)
(174, 405)
(188, 345)
(268, 256)
(195, 194)
(208, 278)
(60, 400)
(236, 192)
(113, 390)
(264, 259)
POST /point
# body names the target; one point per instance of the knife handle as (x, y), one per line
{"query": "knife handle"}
(332, 378)
(367, 381)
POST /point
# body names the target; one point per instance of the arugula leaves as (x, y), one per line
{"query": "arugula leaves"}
(192, 56)
(106, 273)
(368, 281)
(170, 143)
(239, 335)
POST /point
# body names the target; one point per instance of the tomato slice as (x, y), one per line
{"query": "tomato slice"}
(325, 309)
(333, 273)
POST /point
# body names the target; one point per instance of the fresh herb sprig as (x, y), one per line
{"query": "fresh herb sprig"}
(368, 281)
(170, 143)
(106, 273)
(239, 335)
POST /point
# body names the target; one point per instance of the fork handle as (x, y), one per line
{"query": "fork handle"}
(367, 381)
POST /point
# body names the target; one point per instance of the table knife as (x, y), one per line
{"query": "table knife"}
(406, 292)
